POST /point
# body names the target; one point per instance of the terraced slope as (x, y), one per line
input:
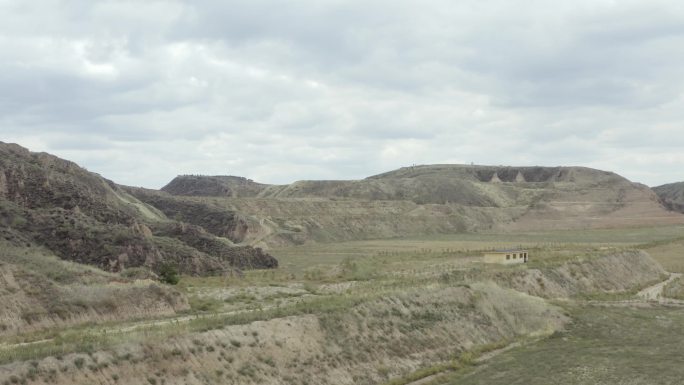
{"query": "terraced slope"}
(434, 199)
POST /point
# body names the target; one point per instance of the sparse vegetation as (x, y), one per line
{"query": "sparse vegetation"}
(371, 311)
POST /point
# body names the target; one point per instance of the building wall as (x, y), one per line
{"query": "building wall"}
(513, 257)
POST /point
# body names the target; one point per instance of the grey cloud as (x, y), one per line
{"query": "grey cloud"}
(278, 91)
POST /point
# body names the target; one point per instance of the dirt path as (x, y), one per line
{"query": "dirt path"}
(145, 324)
(655, 292)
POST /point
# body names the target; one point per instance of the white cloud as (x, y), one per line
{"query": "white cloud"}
(279, 91)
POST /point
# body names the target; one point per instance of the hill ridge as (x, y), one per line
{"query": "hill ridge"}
(431, 199)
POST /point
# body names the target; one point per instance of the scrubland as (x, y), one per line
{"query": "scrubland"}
(366, 312)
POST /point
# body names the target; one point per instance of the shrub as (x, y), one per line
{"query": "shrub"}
(169, 274)
(78, 362)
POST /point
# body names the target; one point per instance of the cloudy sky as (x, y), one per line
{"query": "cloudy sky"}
(140, 91)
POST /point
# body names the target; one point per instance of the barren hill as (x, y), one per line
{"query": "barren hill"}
(82, 217)
(220, 185)
(672, 195)
(426, 200)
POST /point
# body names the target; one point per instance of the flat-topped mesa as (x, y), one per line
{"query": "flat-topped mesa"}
(216, 185)
(415, 183)
(532, 174)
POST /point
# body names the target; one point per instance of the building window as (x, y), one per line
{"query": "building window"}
(508, 256)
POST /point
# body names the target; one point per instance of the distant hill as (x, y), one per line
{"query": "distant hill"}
(82, 217)
(437, 184)
(441, 184)
(430, 199)
(220, 185)
(672, 195)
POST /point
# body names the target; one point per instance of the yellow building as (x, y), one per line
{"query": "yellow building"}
(506, 257)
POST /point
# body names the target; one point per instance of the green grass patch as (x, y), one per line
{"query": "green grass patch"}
(604, 345)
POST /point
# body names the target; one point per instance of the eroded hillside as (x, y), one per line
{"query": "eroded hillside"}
(81, 217)
(38, 291)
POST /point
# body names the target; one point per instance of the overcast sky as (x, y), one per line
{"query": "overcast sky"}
(277, 91)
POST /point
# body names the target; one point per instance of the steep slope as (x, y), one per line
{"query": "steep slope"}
(434, 199)
(218, 221)
(84, 218)
(672, 195)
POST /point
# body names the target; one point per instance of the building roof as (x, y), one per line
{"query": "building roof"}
(507, 251)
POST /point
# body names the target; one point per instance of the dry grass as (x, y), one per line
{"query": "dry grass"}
(413, 251)
(668, 254)
(336, 280)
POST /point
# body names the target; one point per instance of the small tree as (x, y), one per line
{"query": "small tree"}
(169, 274)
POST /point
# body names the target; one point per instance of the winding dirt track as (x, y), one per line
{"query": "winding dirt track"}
(655, 292)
